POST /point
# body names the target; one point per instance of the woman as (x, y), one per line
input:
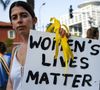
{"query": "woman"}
(23, 19)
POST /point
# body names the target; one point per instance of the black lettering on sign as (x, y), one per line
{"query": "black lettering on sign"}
(96, 49)
(80, 46)
(32, 76)
(84, 62)
(53, 45)
(44, 78)
(87, 80)
(77, 45)
(55, 77)
(76, 80)
(45, 44)
(73, 63)
(34, 43)
(66, 78)
(61, 60)
(55, 62)
(44, 63)
(70, 41)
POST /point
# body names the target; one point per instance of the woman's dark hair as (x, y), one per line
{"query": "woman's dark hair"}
(3, 47)
(25, 5)
(93, 33)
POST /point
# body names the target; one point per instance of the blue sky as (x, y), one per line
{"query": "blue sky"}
(52, 8)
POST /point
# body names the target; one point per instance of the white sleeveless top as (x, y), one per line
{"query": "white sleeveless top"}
(16, 72)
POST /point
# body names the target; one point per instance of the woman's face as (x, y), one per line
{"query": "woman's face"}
(21, 20)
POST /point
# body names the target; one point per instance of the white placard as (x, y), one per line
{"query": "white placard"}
(42, 72)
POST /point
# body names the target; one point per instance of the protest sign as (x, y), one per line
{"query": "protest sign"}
(42, 72)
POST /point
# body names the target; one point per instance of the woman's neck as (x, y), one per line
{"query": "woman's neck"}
(25, 39)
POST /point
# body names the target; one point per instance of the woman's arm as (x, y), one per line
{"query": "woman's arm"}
(63, 33)
(9, 85)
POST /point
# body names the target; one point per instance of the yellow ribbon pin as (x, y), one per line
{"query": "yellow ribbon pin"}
(54, 27)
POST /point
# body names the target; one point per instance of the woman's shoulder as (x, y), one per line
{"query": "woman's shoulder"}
(16, 47)
(14, 51)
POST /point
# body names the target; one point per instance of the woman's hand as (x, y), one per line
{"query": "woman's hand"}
(64, 33)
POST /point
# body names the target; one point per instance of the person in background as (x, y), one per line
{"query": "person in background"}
(93, 33)
(4, 66)
(23, 19)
